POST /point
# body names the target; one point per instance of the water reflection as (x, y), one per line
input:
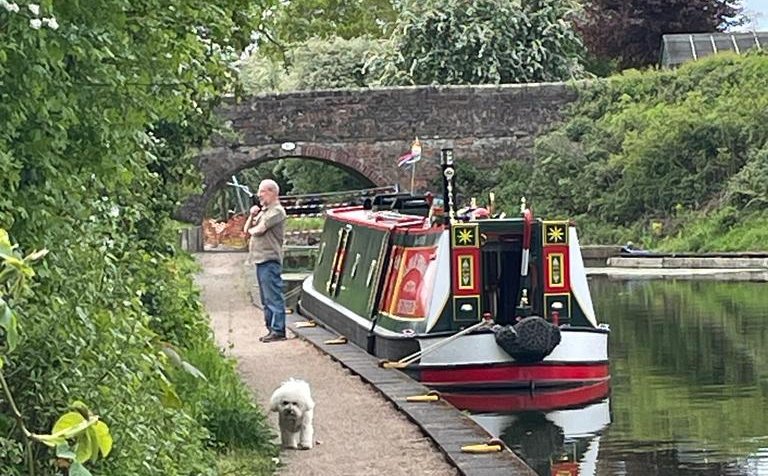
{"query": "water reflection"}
(556, 432)
(689, 388)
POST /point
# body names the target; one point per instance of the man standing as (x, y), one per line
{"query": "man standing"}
(266, 228)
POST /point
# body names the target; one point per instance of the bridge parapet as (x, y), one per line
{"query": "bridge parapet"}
(364, 130)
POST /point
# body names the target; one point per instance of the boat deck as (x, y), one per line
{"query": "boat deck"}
(449, 428)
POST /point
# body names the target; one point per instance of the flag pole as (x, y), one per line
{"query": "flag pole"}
(416, 153)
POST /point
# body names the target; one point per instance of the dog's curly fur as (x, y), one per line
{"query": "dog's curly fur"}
(293, 402)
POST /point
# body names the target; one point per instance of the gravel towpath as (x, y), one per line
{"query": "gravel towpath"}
(358, 431)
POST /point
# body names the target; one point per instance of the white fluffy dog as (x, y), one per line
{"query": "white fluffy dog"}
(293, 402)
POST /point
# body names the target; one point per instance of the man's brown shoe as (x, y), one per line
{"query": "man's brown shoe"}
(273, 337)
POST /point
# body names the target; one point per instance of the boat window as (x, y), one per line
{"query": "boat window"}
(337, 267)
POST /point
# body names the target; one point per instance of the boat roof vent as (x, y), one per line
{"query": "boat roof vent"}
(401, 202)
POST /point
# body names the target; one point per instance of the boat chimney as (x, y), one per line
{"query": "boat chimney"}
(556, 307)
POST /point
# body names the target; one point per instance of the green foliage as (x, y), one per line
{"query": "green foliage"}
(655, 146)
(89, 436)
(325, 63)
(482, 42)
(727, 229)
(490, 41)
(304, 224)
(243, 463)
(261, 74)
(332, 63)
(311, 176)
(298, 21)
(748, 189)
(221, 402)
(98, 120)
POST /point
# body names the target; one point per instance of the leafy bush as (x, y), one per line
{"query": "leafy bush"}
(332, 63)
(315, 64)
(221, 402)
(655, 146)
(748, 189)
(101, 107)
(298, 21)
(483, 42)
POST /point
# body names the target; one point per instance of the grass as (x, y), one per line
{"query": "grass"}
(243, 462)
(304, 223)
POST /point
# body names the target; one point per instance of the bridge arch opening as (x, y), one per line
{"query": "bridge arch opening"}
(306, 183)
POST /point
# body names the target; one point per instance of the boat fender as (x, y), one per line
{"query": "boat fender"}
(530, 340)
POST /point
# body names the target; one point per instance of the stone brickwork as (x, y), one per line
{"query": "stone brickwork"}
(365, 130)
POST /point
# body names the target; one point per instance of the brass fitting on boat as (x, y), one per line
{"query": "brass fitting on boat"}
(388, 364)
(431, 396)
(337, 341)
(493, 445)
(301, 324)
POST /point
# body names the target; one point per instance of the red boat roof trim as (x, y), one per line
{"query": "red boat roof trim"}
(388, 221)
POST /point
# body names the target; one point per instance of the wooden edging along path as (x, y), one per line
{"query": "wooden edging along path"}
(448, 427)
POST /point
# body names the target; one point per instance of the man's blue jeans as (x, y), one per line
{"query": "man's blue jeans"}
(271, 289)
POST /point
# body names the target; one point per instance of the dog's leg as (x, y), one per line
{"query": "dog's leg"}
(289, 439)
(294, 440)
(307, 432)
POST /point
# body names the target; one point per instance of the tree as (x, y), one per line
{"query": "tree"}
(483, 42)
(101, 105)
(629, 31)
(312, 176)
(289, 23)
(318, 63)
(648, 146)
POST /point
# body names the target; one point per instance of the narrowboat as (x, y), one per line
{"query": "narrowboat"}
(458, 298)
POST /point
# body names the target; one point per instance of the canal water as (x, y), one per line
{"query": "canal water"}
(688, 392)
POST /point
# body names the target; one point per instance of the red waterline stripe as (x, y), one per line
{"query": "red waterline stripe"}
(514, 373)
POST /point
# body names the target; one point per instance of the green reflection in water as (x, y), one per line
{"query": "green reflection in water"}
(689, 367)
(689, 387)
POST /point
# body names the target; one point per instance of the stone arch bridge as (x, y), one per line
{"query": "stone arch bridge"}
(364, 130)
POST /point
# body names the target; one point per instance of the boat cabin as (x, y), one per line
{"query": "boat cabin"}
(394, 265)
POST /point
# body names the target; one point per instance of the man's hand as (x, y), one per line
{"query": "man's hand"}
(255, 210)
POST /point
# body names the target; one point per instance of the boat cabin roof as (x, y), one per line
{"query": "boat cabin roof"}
(385, 220)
